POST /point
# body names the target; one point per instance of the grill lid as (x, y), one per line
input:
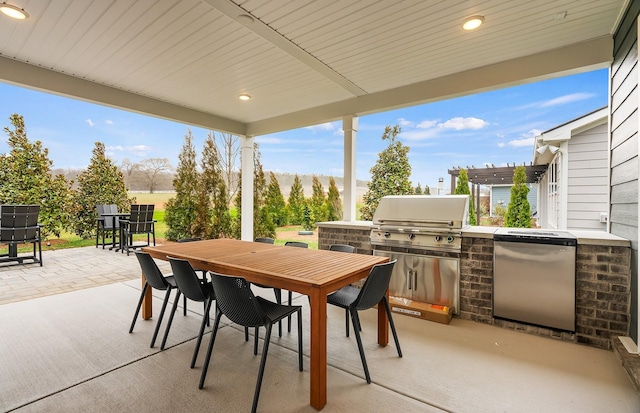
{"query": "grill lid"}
(432, 211)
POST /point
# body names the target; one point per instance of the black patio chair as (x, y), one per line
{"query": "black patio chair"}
(236, 301)
(108, 226)
(19, 225)
(140, 222)
(204, 272)
(154, 279)
(372, 292)
(191, 287)
(348, 249)
(297, 244)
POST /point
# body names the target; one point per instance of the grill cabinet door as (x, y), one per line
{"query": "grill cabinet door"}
(435, 280)
(399, 285)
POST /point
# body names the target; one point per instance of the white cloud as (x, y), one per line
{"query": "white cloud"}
(327, 126)
(405, 123)
(426, 124)
(460, 123)
(108, 122)
(500, 144)
(114, 148)
(420, 134)
(139, 148)
(518, 143)
(563, 100)
(89, 122)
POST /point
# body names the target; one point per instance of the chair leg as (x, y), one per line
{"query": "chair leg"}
(278, 294)
(184, 305)
(246, 334)
(174, 307)
(346, 320)
(135, 316)
(164, 307)
(263, 362)
(356, 330)
(393, 327)
(205, 366)
(289, 318)
(205, 317)
(256, 335)
(300, 339)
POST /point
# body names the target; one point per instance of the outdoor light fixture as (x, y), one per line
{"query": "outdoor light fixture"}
(473, 22)
(542, 149)
(244, 96)
(12, 11)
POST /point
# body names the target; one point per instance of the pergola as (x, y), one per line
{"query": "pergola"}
(492, 175)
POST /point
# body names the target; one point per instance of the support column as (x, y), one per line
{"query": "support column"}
(350, 128)
(247, 166)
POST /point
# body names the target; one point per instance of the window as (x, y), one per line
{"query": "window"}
(553, 192)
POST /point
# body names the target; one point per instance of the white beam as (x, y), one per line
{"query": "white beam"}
(350, 128)
(246, 230)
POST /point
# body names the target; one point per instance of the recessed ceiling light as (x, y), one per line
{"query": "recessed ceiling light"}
(473, 22)
(245, 19)
(244, 96)
(12, 11)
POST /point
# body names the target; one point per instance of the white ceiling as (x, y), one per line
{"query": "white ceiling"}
(304, 61)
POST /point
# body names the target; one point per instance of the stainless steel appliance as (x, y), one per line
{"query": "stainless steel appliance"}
(534, 277)
(423, 232)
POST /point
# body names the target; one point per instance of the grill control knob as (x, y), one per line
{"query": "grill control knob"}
(438, 238)
(387, 234)
(449, 239)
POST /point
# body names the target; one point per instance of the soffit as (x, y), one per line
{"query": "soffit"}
(303, 62)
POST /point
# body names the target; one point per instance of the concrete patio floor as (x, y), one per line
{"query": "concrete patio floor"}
(65, 347)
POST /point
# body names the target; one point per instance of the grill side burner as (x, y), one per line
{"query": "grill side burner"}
(423, 233)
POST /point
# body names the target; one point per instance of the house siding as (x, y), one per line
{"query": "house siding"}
(503, 193)
(588, 179)
(623, 215)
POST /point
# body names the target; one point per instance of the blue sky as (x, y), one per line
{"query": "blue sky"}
(488, 128)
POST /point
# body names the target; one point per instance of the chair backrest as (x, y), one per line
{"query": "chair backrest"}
(187, 279)
(342, 248)
(141, 218)
(236, 301)
(151, 271)
(108, 222)
(265, 240)
(19, 223)
(298, 244)
(375, 286)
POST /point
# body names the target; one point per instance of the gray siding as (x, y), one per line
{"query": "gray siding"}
(588, 183)
(624, 145)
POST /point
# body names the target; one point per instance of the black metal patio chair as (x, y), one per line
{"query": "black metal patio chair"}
(19, 225)
(372, 292)
(107, 225)
(236, 301)
(140, 222)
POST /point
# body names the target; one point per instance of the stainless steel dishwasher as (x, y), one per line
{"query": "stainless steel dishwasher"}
(534, 277)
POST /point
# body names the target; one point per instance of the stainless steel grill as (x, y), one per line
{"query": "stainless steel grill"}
(423, 233)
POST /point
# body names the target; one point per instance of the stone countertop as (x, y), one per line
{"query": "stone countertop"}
(584, 237)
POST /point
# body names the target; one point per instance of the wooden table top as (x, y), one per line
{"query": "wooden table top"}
(295, 269)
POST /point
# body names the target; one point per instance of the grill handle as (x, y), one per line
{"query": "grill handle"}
(409, 279)
(415, 280)
(421, 221)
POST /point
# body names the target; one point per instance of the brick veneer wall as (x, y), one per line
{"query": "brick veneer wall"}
(602, 286)
(602, 292)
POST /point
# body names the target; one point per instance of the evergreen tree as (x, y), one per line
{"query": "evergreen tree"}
(308, 223)
(334, 203)
(275, 205)
(296, 202)
(180, 211)
(25, 178)
(418, 190)
(101, 183)
(426, 191)
(213, 219)
(462, 188)
(318, 201)
(390, 174)
(519, 210)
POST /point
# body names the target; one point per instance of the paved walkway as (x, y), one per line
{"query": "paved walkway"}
(67, 270)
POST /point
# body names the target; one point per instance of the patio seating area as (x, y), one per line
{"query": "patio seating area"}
(65, 347)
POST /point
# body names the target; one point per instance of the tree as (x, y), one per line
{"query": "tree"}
(519, 211)
(180, 211)
(418, 190)
(426, 190)
(127, 167)
(152, 168)
(275, 205)
(307, 221)
(318, 201)
(462, 188)
(101, 183)
(334, 203)
(229, 149)
(296, 202)
(213, 218)
(390, 174)
(25, 178)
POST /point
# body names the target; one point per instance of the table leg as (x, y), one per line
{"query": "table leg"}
(318, 370)
(383, 323)
(147, 305)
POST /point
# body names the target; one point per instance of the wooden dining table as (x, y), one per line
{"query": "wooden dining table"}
(314, 273)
